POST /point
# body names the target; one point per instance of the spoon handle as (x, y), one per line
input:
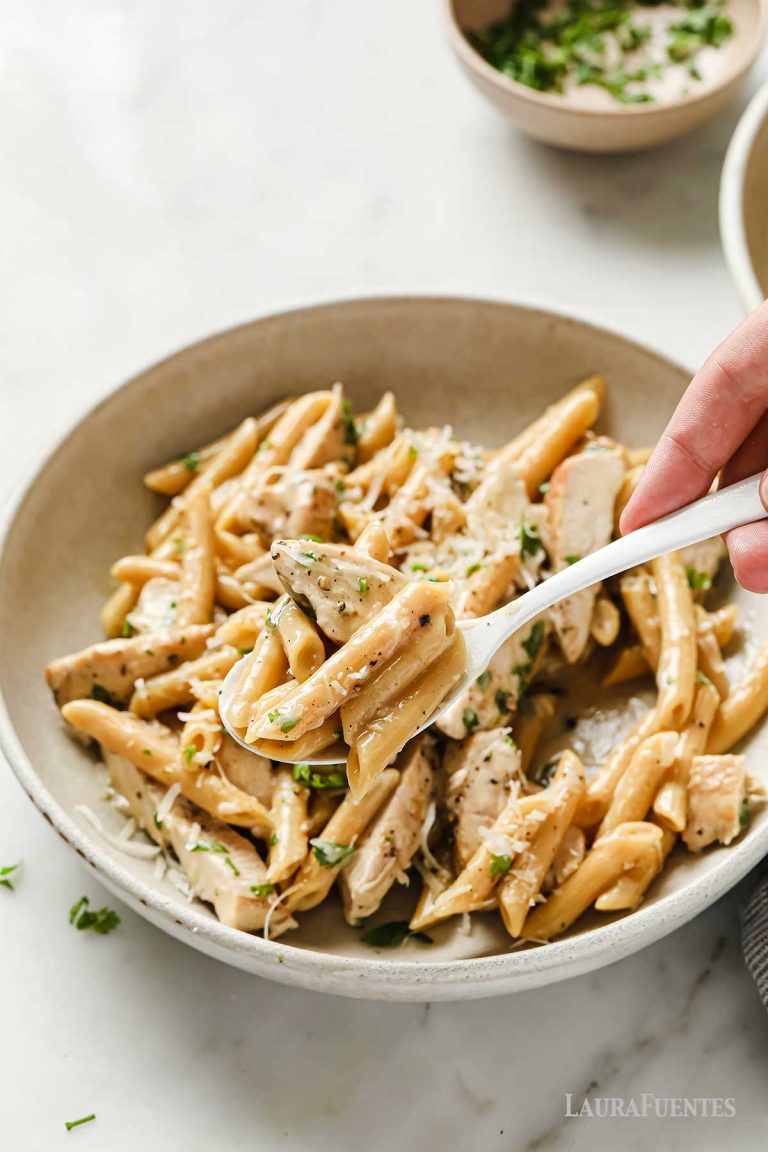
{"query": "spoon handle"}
(719, 512)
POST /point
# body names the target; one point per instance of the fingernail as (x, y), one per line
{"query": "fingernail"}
(764, 490)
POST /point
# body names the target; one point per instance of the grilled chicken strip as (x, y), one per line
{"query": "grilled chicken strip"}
(390, 843)
(580, 500)
(716, 801)
(222, 867)
(482, 771)
(107, 671)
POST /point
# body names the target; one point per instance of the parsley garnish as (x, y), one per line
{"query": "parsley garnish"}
(544, 488)
(303, 774)
(309, 536)
(418, 566)
(699, 581)
(231, 864)
(470, 718)
(331, 855)
(103, 695)
(307, 559)
(473, 568)
(533, 643)
(545, 773)
(262, 890)
(484, 679)
(191, 461)
(127, 629)
(70, 1124)
(530, 543)
(206, 846)
(362, 585)
(392, 935)
(189, 752)
(6, 872)
(273, 839)
(502, 701)
(350, 431)
(702, 679)
(572, 559)
(102, 922)
(500, 865)
(744, 816)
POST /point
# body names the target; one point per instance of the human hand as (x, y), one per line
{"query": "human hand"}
(720, 425)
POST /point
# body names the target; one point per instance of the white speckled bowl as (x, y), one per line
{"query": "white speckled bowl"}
(744, 203)
(612, 128)
(488, 368)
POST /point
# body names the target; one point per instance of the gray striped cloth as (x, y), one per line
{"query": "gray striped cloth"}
(754, 933)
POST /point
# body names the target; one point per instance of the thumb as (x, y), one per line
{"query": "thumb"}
(764, 490)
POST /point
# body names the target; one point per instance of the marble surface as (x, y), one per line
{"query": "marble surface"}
(170, 169)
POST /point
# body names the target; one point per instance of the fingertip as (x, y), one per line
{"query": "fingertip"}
(748, 549)
(764, 490)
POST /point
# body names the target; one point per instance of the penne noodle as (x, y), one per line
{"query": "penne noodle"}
(710, 657)
(634, 882)
(314, 879)
(541, 447)
(198, 571)
(606, 621)
(242, 628)
(600, 789)
(640, 782)
(670, 804)
(157, 753)
(118, 606)
(643, 610)
(603, 865)
(373, 540)
(289, 842)
(301, 640)
(486, 586)
(379, 428)
(523, 883)
(676, 671)
(388, 734)
(139, 569)
(630, 664)
(265, 668)
(527, 726)
(744, 707)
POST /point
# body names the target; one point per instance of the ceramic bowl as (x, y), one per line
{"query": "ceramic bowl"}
(744, 203)
(608, 127)
(489, 368)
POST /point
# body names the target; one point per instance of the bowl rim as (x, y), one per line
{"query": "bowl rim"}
(351, 975)
(476, 63)
(733, 232)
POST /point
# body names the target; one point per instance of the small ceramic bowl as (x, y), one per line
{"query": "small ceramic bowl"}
(606, 126)
(744, 203)
(487, 367)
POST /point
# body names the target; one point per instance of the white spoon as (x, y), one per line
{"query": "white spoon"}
(729, 508)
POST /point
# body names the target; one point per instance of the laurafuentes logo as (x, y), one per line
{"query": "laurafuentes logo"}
(646, 1105)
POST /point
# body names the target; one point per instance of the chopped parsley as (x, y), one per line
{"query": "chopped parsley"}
(362, 585)
(262, 890)
(231, 864)
(189, 752)
(484, 679)
(340, 486)
(502, 700)
(103, 695)
(330, 855)
(545, 773)
(412, 451)
(473, 568)
(470, 718)
(702, 679)
(6, 872)
(418, 566)
(572, 559)
(309, 536)
(350, 431)
(500, 865)
(530, 542)
(533, 643)
(178, 545)
(70, 1124)
(191, 461)
(699, 581)
(307, 559)
(393, 934)
(273, 839)
(286, 722)
(127, 628)
(598, 42)
(102, 922)
(304, 775)
(207, 846)
(544, 488)
(744, 816)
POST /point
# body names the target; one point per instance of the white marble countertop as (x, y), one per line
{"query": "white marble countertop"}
(170, 169)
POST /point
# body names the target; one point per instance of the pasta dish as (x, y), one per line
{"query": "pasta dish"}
(336, 553)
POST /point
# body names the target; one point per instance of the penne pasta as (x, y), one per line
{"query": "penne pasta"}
(676, 671)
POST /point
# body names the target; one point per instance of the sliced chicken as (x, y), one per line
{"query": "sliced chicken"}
(246, 770)
(496, 507)
(293, 504)
(579, 502)
(482, 772)
(108, 671)
(222, 867)
(390, 843)
(717, 801)
(495, 694)
(344, 588)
